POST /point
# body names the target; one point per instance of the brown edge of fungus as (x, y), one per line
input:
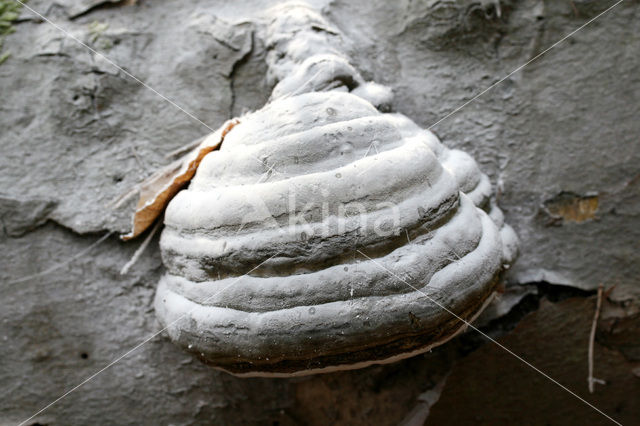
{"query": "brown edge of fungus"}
(161, 187)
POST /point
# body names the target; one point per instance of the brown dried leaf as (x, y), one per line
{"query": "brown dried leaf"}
(162, 186)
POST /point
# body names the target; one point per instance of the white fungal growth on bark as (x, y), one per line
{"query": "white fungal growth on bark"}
(296, 191)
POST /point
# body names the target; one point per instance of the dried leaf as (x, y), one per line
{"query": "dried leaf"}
(162, 186)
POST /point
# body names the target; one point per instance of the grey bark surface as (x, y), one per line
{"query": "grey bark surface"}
(559, 140)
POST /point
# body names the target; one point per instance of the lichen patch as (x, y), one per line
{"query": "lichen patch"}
(571, 207)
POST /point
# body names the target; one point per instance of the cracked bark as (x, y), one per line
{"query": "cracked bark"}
(244, 59)
(567, 123)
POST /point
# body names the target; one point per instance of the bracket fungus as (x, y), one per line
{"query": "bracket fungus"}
(324, 232)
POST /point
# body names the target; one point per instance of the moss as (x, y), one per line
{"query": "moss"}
(96, 31)
(9, 12)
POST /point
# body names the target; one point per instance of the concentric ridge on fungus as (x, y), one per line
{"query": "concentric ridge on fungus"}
(296, 191)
